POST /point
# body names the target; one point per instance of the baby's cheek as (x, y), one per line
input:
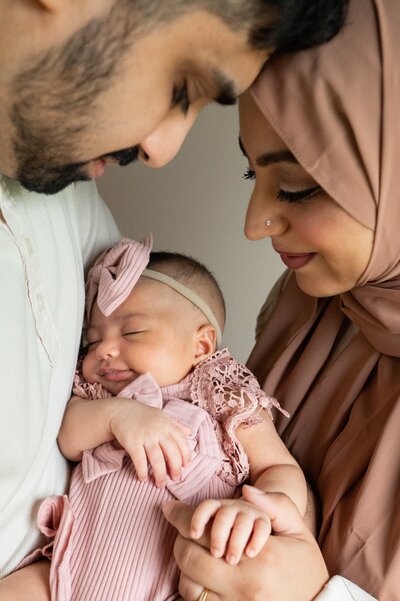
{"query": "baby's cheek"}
(88, 368)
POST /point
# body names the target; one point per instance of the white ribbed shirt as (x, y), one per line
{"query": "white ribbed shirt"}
(46, 242)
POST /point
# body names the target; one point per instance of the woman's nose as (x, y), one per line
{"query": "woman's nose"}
(107, 349)
(264, 218)
(160, 147)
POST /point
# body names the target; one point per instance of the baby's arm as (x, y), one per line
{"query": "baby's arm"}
(238, 525)
(272, 467)
(146, 433)
(27, 584)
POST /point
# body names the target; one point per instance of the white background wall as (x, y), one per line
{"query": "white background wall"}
(196, 205)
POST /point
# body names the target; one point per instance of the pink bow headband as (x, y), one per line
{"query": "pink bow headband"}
(116, 272)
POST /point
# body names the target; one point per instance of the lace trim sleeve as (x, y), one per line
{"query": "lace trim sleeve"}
(230, 393)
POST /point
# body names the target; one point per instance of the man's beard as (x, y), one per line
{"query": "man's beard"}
(38, 174)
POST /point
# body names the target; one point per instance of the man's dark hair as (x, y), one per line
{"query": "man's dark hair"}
(284, 25)
(300, 24)
(194, 275)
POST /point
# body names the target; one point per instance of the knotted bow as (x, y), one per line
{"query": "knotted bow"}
(115, 273)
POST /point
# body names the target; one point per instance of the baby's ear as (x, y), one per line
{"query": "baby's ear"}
(206, 342)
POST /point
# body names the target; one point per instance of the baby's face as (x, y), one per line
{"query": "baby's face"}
(153, 330)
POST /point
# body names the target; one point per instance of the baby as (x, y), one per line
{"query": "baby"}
(152, 390)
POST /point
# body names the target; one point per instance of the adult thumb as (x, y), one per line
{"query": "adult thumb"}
(281, 510)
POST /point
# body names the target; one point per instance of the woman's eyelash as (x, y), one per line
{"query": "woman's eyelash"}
(249, 174)
(180, 97)
(298, 196)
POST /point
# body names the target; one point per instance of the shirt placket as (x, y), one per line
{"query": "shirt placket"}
(14, 220)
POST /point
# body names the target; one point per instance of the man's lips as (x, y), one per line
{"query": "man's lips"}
(296, 260)
(115, 375)
(96, 168)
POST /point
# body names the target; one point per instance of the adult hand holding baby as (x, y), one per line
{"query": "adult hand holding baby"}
(290, 565)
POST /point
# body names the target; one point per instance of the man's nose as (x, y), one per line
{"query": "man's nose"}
(163, 143)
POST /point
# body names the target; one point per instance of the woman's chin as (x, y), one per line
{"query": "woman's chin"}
(316, 287)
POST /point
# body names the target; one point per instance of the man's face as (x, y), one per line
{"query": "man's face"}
(144, 110)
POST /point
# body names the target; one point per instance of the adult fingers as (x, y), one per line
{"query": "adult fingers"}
(180, 516)
(191, 591)
(200, 570)
(261, 532)
(283, 513)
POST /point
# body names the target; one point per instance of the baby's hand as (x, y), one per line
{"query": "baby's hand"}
(150, 436)
(237, 526)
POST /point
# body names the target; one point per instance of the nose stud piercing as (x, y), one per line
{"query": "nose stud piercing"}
(268, 222)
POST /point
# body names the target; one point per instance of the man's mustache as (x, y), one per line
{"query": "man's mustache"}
(124, 157)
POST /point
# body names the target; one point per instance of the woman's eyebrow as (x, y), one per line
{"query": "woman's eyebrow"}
(269, 158)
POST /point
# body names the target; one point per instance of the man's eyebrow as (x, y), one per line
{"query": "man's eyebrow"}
(269, 158)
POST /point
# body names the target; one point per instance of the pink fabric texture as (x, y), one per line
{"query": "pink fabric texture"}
(108, 539)
(115, 273)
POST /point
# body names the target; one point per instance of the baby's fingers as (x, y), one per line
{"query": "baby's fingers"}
(180, 434)
(156, 459)
(261, 532)
(240, 531)
(184, 448)
(173, 457)
(139, 460)
(202, 515)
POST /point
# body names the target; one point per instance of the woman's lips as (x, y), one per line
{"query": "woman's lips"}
(115, 375)
(296, 260)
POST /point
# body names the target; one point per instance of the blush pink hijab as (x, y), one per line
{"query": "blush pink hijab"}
(334, 363)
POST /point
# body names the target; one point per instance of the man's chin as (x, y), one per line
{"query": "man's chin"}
(50, 185)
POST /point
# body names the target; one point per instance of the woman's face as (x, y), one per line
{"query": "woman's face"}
(323, 244)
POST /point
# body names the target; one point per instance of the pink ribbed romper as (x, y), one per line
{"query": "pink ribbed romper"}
(109, 540)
